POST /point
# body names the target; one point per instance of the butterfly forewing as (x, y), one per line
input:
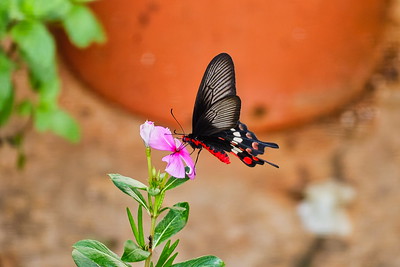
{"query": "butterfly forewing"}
(218, 82)
(222, 115)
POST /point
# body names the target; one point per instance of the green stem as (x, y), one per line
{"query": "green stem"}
(155, 203)
(147, 262)
(153, 225)
(149, 165)
(154, 215)
(150, 201)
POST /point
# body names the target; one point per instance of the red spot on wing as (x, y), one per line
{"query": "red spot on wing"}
(222, 156)
(247, 160)
(246, 157)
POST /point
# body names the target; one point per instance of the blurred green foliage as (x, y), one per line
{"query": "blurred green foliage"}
(26, 42)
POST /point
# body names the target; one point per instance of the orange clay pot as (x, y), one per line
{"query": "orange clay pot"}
(294, 60)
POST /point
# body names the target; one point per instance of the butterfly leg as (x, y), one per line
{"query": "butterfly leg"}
(193, 151)
(197, 157)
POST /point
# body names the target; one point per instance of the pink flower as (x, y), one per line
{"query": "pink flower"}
(160, 138)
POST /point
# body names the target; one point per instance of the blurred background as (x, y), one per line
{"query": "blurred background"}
(318, 78)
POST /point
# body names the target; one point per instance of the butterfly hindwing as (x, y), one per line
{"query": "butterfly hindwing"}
(246, 146)
(248, 140)
(245, 156)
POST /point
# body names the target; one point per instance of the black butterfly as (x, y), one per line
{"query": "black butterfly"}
(215, 123)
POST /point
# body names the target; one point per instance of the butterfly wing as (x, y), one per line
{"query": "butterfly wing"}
(248, 158)
(215, 123)
(217, 107)
(223, 114)
(247, 140)
(245, 145)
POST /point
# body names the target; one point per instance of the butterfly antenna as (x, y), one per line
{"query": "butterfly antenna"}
(173, 116)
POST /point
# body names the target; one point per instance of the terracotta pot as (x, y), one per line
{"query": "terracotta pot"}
(294, 59)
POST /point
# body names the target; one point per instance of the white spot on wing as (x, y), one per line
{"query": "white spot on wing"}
(235, 150)
(236, 134)
(237, 139)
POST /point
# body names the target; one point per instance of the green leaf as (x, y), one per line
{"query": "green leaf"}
(174, 182)
(48, 92)
(25, 108)
(57, 121)
(37, 48)
(130, 187)
(137, 231)
(47, 116)
(133, 226)
(172, 223)
(6, 88)
(45, 9)
(170, 260)
(97, 253)
(177, 208)
(65, 126)
(4, 16)
(126, 181)
(81, 260)
(140, 227)
(14, 10)
(134, 253)
(82, 27)
(159, 201)
(43, 118)
(204, 261)
(166, 252)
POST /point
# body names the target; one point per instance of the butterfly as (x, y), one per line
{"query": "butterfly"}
(215, 122)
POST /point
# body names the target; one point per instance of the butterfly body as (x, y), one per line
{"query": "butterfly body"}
(215, 123)
(214, 145)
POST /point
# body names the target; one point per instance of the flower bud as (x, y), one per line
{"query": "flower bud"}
(145, 131)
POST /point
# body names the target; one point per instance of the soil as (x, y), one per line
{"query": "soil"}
(245, 216)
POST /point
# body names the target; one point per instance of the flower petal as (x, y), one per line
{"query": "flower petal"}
(185, 156)
(161, 139)
(146, 130)
(175, 165)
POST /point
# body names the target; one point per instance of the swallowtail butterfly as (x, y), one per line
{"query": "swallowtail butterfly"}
(215, 122)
